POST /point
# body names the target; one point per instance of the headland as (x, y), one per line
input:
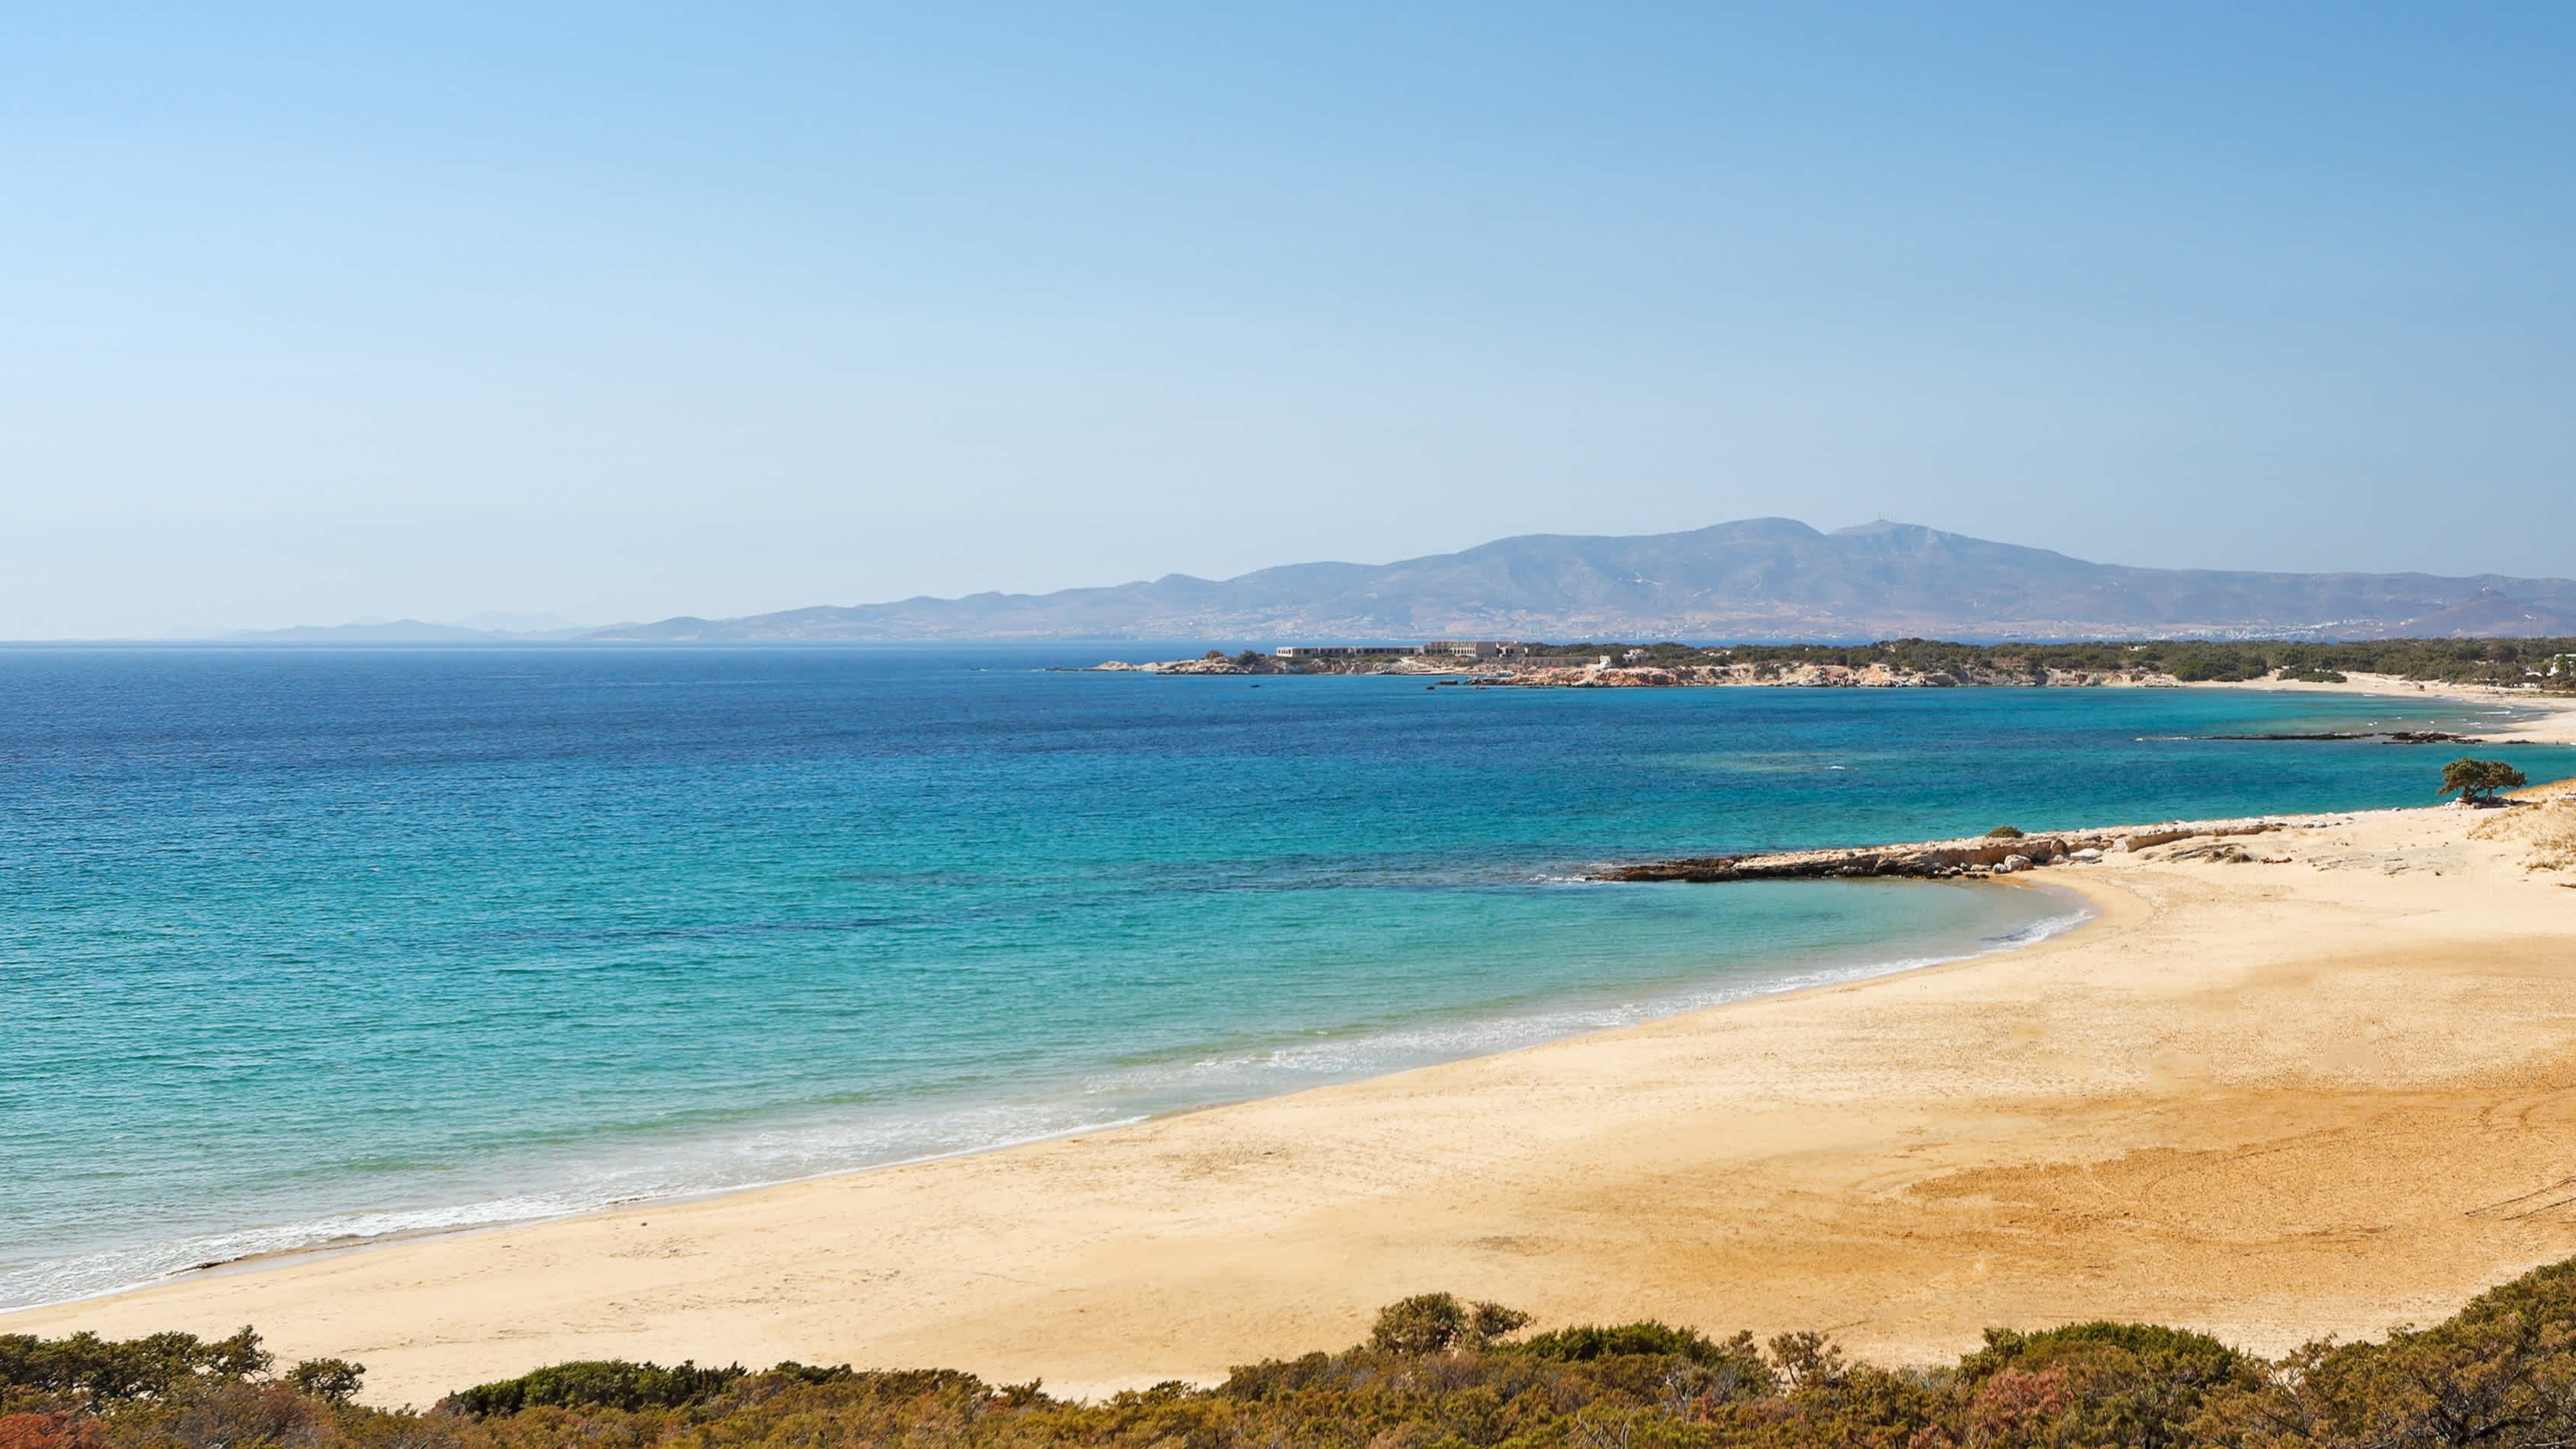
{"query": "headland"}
(2512, 668)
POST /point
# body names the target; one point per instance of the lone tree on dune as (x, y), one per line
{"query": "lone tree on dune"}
(2477, 781)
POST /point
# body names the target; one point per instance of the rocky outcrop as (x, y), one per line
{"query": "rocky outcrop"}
(1933, 860)
(2394, 737)
(1165, 666)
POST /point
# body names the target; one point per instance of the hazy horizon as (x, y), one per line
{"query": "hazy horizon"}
(613, 316)
(1288, 596)
(556, 624)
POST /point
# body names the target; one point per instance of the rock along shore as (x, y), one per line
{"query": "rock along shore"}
(1949, 859)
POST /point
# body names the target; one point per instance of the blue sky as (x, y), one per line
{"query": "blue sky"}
(623, 311)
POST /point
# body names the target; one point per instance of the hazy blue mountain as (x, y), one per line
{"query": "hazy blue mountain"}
(1760, 579)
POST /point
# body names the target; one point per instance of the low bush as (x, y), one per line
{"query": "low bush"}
(606, 1383)
(334, 1380)
(1431, 1322)
(107, 1371)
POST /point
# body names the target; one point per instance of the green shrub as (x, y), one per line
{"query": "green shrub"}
(1587, 1342)
(106, 1371)
(2500, 1371)
(2196, 1354)
(334, 1380)
(596, 1383)
(1434, 1322)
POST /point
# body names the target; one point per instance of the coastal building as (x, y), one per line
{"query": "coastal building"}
(1467, 648)
(1343, 651)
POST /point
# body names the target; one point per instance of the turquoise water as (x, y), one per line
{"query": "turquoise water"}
(300, 945)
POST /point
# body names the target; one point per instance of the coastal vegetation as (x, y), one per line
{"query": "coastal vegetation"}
(2547, 829)
(2543, 664)
(1437, 1373)
(2552, 835)
(2450, 661)
(2477, 781)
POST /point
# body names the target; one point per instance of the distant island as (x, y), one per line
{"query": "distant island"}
(1757, 581)
(1763, 580)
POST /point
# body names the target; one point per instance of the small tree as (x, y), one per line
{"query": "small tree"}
(1488, 1321)
(1436, 1322)
(2477, 781)
(334, 1379)
(1808, 1359)
(237, 1357)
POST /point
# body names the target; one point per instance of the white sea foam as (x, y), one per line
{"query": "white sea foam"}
(757, 1159)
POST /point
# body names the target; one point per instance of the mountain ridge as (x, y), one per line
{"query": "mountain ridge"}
(1752, 580)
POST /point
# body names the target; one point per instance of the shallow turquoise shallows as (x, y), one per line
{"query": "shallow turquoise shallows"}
(298, 945)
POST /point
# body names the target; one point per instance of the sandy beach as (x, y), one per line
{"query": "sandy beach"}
(2332, 1090)
(2549, 720)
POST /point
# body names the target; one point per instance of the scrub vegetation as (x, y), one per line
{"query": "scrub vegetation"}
(2547, 826)
(1437, 1373)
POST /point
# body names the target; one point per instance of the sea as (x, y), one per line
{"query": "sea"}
(304, 947)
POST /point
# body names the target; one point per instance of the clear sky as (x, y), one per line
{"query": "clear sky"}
(621, 311)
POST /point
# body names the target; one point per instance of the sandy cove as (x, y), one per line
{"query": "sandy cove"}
(2550, 719)
(2268, 1100)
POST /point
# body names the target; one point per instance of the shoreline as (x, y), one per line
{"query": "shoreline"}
(1674, 1002)
(2556, 724)
(1901, 1159)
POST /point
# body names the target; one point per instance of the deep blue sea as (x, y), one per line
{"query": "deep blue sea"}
(304, 945)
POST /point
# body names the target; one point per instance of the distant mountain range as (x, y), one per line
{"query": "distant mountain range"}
(1763, 579)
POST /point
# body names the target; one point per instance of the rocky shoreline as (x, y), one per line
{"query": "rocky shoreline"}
(2393, 737)
(1977, 856)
